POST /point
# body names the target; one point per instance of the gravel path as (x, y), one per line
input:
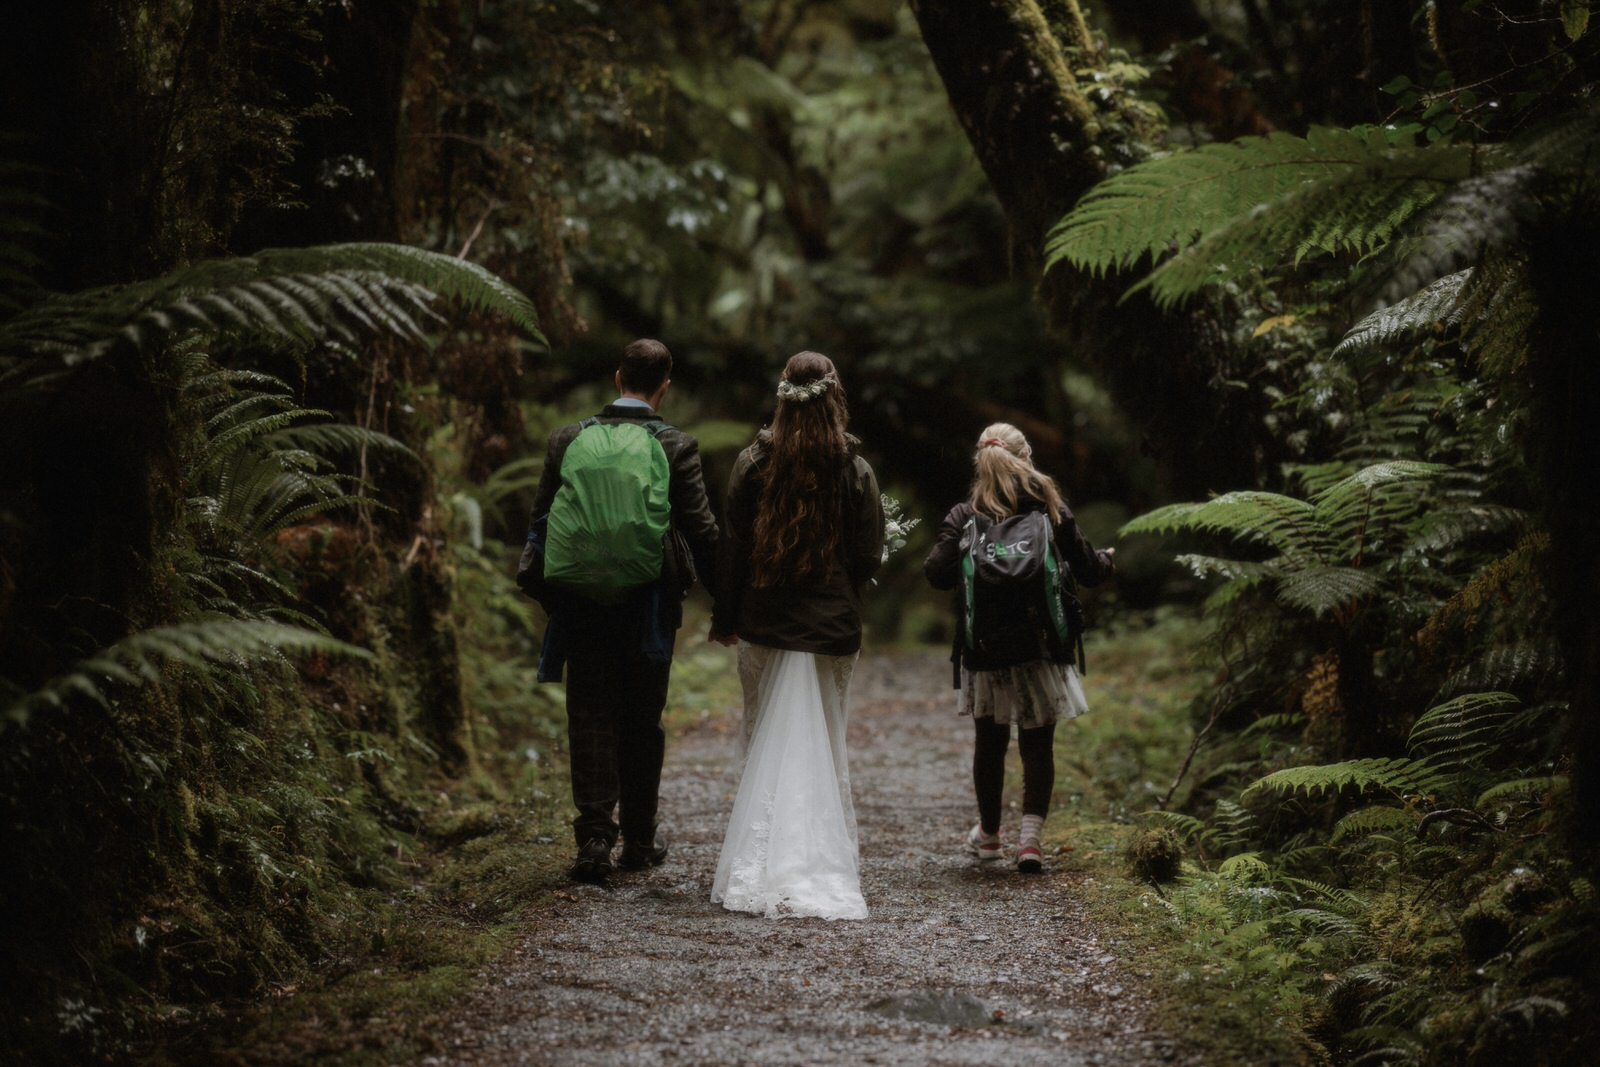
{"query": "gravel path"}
(955, 965)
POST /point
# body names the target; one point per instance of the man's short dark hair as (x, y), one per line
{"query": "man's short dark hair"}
(645, 365)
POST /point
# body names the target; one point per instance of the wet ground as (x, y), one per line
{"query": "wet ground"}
(955, 965)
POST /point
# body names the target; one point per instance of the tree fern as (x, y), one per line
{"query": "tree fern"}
(289, 295)
(1319, 590)
(211, 646)
(1287, 524)
(1319, 541)
(1429, 309)
(1227, 207)
(1477, 213)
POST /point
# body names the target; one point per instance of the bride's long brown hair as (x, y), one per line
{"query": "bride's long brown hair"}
(802, 505)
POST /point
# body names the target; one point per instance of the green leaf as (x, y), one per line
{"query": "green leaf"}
(1574, 18)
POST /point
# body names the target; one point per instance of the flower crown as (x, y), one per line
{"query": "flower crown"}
(800, 394)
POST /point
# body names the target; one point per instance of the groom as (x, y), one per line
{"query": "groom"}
(617, 650)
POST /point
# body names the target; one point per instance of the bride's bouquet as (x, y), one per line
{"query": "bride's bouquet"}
(895, 526)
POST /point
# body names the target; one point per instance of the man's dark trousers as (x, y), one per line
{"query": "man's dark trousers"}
(615, 697)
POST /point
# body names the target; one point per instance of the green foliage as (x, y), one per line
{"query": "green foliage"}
(1378, 818)
(266, 463)
(1397, 776)
(214, 648)
(1225, 209)
(1432, 308)
(1321, 543)
(293, 296)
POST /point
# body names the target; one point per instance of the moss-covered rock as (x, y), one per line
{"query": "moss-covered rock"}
(1155, 855)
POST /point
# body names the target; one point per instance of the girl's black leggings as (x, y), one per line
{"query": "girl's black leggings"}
(989, 769)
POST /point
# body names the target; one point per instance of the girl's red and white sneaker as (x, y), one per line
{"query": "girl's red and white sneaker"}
(1029, 859)
(984, 846)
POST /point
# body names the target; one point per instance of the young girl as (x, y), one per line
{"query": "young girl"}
(1033, 695)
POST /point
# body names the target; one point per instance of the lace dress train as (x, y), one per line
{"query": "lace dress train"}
(791, 848)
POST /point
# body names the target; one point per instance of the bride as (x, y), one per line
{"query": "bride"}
(805, 532)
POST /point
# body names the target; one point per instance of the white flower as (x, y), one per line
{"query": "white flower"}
(896, 526)
(799, 394)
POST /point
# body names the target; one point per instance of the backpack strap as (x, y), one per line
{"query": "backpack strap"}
(656, 428)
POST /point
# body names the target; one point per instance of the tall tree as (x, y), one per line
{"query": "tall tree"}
(1043, 141)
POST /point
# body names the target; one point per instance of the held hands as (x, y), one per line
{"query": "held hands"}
(726, 640)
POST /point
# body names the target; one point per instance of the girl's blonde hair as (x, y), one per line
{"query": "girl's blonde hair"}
(1004, 474)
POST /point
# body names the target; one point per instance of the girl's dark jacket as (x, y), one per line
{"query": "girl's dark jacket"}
(943, 566)
(822, 616)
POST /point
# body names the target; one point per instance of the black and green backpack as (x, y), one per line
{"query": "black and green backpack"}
(1017, 598)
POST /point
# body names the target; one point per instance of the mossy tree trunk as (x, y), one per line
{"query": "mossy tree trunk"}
(1043, 142)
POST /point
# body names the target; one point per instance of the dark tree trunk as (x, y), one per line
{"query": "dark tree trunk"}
(1565, 380)
(1042, 145)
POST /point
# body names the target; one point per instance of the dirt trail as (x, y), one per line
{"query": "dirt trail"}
(649, 971)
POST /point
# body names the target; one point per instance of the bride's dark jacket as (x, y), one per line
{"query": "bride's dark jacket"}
(822, 616)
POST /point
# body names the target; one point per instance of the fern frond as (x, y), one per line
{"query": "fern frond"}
(1232, 824)
(1287, 524)
(1478, 214)
(1522, 789)
(1395, 775)
(1377, 818)
(1320, 590)
(457, 280)
(1380, 976)
(1462, 730)
(1529, 664)
(1218, 567)
(1186, 826)
(1353, 212)
(289, 295)
(1325, 923)
(1341, 900)
(1499, 310)
(1449, 526)
(335, 438)
(1429, 310)
(1346, 504)
(1172, 202)
(1244, 867)
(212, 646)
(1493, 583)
(1267, 724)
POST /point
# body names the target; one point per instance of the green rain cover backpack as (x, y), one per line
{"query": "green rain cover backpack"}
(608, 522)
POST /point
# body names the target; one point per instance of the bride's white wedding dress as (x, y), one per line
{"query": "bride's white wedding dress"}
(791, 842)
